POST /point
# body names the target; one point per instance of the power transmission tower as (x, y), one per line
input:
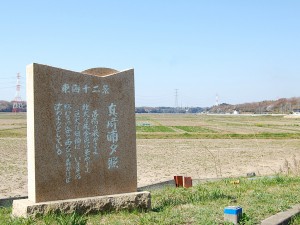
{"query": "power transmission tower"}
(17, 102)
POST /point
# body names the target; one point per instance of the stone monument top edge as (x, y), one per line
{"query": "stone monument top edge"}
(97, 71)
(103, 71)
(100, 71)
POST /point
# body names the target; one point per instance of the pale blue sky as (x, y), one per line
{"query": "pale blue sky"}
(243, 50)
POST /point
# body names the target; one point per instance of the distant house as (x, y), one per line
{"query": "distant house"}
(296, 111)
(235, 112)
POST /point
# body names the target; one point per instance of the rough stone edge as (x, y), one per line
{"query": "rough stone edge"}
(282, 218)
(127, 201)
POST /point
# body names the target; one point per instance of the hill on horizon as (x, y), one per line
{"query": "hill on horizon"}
(282, 105)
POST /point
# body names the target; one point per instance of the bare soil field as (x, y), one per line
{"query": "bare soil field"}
(13, 167)
(161, 159)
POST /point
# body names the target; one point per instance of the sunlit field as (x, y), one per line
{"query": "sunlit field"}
(210, 146)
(201, 146)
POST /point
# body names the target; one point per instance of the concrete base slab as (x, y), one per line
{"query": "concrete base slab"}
(282, 218)
(127, 201)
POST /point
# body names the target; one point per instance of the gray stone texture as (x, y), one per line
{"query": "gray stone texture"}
(80, 133)
(129, 201)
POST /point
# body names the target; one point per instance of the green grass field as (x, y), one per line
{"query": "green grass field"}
(13, 125)
(174, 126)
(201, 204)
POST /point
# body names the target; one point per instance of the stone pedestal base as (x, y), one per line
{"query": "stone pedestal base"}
(127, 201)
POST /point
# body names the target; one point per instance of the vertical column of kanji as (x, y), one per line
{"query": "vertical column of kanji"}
(77, 143)
(95, 131)
(86, 136)
(68, 141)
(58, 127)
(112, 137)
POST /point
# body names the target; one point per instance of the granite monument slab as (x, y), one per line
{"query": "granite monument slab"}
(80, 133)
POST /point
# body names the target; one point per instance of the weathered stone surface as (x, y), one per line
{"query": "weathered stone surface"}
(80, 133)
(128, 201)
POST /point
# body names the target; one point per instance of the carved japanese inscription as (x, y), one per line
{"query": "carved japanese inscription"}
(81, 133)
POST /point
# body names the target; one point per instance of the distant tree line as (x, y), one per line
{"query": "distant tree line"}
(6, 106)
(169, 109)
(280, 106)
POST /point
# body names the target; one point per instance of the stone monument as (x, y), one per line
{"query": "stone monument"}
(81, 138)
